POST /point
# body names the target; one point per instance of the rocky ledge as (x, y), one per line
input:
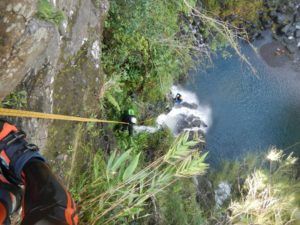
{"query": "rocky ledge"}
(282, 18)
(286, 20)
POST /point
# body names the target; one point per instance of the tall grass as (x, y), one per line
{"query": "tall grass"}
(119, 189)
(270, 195)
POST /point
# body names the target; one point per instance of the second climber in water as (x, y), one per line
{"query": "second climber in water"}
(178, 98)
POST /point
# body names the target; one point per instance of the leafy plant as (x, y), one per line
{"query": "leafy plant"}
(178, 205)
(142, 47)
(120, 189)
(15, 100)
(46, 11)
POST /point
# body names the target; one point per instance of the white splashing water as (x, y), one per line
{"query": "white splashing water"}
(148, 129)
(190, 107)
(175, 120)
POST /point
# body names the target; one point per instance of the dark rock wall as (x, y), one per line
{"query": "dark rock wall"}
(57, 65)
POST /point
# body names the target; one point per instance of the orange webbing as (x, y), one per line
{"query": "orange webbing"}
(7, 128)
(3, 213)
(70, 212)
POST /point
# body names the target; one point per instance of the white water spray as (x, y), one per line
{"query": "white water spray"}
(188, 115)
(148, 129)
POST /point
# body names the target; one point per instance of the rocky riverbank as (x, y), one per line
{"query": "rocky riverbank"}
(283, 19)
(286, 24)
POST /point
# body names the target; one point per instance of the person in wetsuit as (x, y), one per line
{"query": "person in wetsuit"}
(178, 98)
(129, 118)
(45, 201)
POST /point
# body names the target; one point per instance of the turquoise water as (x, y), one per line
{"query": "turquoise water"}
(249, 112)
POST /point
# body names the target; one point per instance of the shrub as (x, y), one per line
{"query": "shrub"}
(143, 48)
(178, 205)
(15, 100)
(46, 11)
(118, 190)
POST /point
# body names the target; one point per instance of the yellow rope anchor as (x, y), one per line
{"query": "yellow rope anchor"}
(38, 115)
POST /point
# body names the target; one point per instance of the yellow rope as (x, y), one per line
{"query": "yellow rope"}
(29, 114)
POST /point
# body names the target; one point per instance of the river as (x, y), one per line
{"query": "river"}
(249, 112)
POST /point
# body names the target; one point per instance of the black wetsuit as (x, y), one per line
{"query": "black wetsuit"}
(45, 200)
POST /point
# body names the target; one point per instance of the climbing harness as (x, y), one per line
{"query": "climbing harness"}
(38, 115)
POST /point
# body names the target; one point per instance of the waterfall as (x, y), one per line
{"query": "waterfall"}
(188, 115)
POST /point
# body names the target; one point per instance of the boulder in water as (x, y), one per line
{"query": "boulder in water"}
(292, 48)
(266, 23)
(188, 105)
(222, 193)
(190, 122)
(286, 29)
(281, 19)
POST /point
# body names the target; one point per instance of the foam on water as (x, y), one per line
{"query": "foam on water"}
(148, 129)
(189, 108)
(181, 111)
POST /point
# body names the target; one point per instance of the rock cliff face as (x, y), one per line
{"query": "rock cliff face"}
(57, 65)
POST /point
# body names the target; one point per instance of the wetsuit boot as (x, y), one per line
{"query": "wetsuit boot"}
(45, 201)
(10, 200)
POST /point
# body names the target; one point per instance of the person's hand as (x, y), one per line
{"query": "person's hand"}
(15, 152)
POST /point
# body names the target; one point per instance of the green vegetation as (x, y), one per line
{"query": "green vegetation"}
(46, 11)
(265, 190)
(178, 205)
(15, 100)
(272, 194)
(144, 52)
(2, 42)
(119, 189)
(139, 177)
(245, 10)
(145, 179)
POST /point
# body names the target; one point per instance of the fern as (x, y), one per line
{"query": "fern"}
(112, 101)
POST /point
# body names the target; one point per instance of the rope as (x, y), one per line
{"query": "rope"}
(29, 114)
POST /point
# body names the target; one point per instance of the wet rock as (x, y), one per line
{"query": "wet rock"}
(297, 17)
(281, 19)
(222, 193)
(292, 48)
(189, 122)
(231, 17)
(256, 36)
(38, 43)
(267, 23)
(297, 33)
(285, 29)
(86, 20)
(289, 40)
(63, 28)
(62, 157)
(205, 193)
(181, 125)
(273, 15)
(34, 57)
(188, 105)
